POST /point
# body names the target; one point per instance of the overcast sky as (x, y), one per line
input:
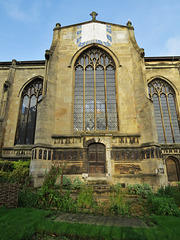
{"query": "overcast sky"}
(26, 26)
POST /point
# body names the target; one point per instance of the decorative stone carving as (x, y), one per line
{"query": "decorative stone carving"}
(14, 153)
(48, 53)
(93, 15)
(135, 154)
(127, 168)
(141, 52)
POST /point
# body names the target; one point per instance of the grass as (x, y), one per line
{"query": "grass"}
(23, 223)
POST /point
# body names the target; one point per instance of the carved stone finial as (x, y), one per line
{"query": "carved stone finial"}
(129, 23)
(93, 15)
(141, 52)
(13, 64)
(179, 66)
(7, 84)
(48, 53)
(58, 25)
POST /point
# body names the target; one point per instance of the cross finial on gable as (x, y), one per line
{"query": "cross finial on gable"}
(93, 14)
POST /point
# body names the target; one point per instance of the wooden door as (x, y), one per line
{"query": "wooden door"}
(96, 158)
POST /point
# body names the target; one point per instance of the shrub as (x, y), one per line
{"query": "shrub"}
(51, 177)
(27, 198)
(77, 184)
(117, 187)
(12, 171)
(118, 204)
(6, 166)
(163, 206)
(170, 191)
(67, 204)
(4, 176)
(19, 175)
(20, 163)
(66, 184)
(48, 196)
(85, 197)
(143, 190)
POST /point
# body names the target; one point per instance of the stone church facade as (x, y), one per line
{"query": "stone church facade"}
(96, 106)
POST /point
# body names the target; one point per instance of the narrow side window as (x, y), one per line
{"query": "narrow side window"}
(31, 95)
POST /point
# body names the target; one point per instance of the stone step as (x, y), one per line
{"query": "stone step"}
(101, 186)
(97, 182)
(100, 199)
(102, 191)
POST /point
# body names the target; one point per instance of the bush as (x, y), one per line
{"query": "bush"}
(163, 206)
(6, 166)
(51, 177)
(170, 191)
(12, 171)
(66, 184)
(48, 196)
(118, 204)
(77, 184)
(20, 163)
(19, 175)
(85, 197)
(27, 198)
(117, 187)
(66, 203)
(143, 190)
(4, 177)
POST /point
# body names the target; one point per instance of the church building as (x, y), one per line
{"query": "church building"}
(96, 107)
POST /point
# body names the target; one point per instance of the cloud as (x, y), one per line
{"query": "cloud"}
(13, 9)
(172, 46)
(24, 11)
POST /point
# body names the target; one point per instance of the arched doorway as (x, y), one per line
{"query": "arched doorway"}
(96, 158)
(172, 170)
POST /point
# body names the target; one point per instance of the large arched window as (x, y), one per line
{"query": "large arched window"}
(31, 95)
(95, 92)
(172, 172)
(165, 109)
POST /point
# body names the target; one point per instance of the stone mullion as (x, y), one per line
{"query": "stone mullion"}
(84, 92)
(94, 69)
(160, 106)
(170, 118)
(27, 118)
(105, 92)
(35, 115)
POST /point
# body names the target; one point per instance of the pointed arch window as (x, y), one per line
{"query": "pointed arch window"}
(166, 114)
(31, 96)
(95, 93)
(172, 172)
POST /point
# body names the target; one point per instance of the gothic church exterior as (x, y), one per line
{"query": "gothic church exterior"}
(96, 105)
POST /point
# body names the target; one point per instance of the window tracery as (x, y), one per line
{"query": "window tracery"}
(166, 115)
(31, 96)
(95, 92)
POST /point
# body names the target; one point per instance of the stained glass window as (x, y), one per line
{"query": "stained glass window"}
(31, 96)
(95, 92)
(163, 97)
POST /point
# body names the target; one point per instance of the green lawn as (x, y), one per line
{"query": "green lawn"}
(23, 223)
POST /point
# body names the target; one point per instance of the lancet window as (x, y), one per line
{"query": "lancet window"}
(166, 113)
(31, 96)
